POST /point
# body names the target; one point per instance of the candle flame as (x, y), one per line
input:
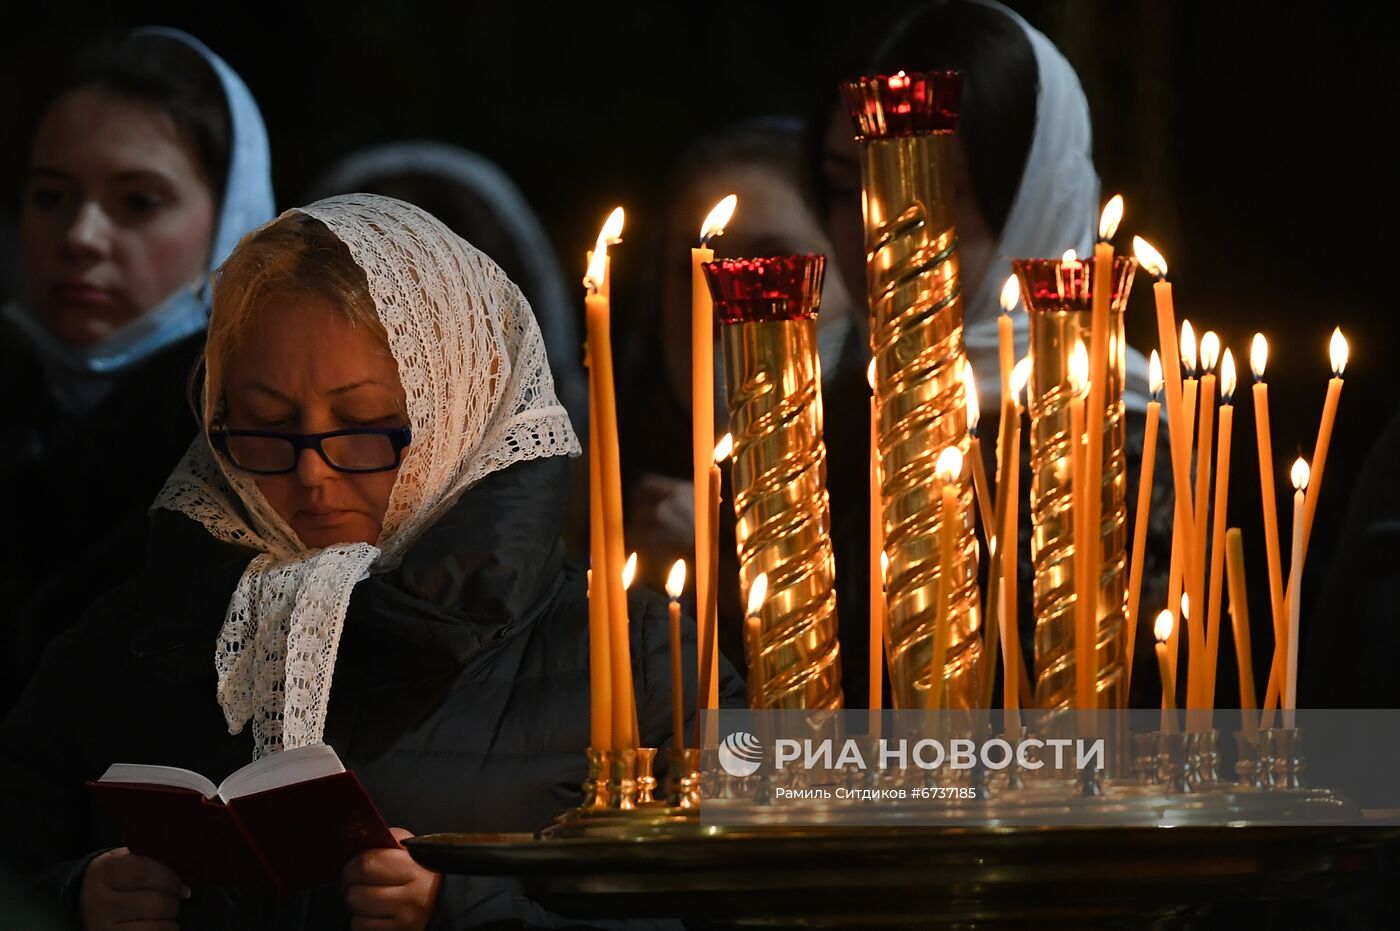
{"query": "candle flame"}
(1258, 356)
(870, 374)
(1079, 368)
(1210, 351)
(1010, 294)
(949, 464)
(629, 571)
(724, 448)
(1069, 256)
(1300, 474)
(1154, 374)
(717, 219)
(758, 594)
(974, 409)
(1020, 376)
(609, 235)
(1185, 606)
(675, 581)
(1227, 376)
(611, 232)
(1188, 346)
(1162, 628)
(884, 567)
(1110, 218)
(1339, 351)
(898, 80)
(1149, 257)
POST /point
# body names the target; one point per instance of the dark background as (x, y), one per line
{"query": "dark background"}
(1251, 143)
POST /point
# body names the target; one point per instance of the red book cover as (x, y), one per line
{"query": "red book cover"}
(195, 836)
(296, 833)
(307, 831)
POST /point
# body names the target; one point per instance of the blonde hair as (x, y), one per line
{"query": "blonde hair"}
(294, 255)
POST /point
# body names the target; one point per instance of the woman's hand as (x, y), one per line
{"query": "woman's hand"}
(135, 893)
(385, 890)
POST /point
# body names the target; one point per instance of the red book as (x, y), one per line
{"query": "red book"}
(287, 820)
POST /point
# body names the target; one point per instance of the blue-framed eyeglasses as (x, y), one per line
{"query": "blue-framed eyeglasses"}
(360, 450)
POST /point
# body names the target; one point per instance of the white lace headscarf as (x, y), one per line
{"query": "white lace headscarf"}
(1055, 208)
(480, 398)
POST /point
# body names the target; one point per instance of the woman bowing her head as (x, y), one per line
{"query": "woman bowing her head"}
(362, 549)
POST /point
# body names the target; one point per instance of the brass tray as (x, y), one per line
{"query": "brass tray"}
(854, 876)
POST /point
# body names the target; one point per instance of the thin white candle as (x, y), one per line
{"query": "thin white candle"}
(1295, 581)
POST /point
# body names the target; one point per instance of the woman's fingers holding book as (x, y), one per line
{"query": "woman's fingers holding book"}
(129, 872)
(145, 906)
(136, 893)
(402, 907)
(384, 867)
(385, 890)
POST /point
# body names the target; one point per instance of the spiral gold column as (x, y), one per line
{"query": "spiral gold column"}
(767, 310)
(905, 126)
(1058, 296)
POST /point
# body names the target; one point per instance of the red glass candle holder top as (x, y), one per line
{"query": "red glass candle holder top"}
(1054, 284)
(782, 287)
(905, 104)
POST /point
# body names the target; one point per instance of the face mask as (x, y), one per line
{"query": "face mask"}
(79, 377)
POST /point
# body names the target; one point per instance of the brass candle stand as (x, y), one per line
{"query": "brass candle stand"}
(767, 310)
(1058, 295)
(905, 125)
(621, 799)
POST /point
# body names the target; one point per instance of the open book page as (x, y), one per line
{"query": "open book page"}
(281, 769)
(159, 776)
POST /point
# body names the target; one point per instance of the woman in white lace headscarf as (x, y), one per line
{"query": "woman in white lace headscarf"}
(362, 550)
(465, 377)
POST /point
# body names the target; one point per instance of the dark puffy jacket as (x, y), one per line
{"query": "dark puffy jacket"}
(86, 482)
(460, 698)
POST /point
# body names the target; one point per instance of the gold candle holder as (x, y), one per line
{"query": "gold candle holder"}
(632, 780)
(1058, 296)
(618, 780)
(682, 786)
(905, 125)
(767, 308)
(595, 782)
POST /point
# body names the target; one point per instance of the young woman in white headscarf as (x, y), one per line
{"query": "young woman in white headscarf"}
(146, 163)
(1024, 186)
(361, 549)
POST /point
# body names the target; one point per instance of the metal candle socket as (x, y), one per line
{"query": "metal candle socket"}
(619, 779)
(682, 786)
(1288, 763)
(906, 124)
(1058, 296)
(767, 307)
(1271, 758)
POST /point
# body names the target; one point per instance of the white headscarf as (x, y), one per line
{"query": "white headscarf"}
(80, 377)
(550, 296)
(1055, 208)
(480, 398)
